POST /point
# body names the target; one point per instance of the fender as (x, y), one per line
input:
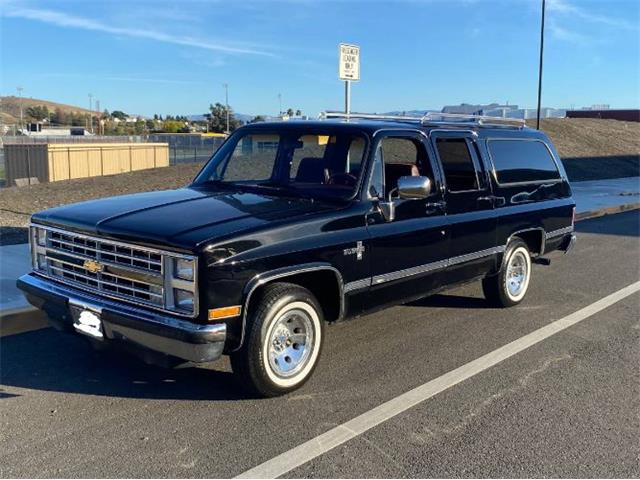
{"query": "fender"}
(279, 273)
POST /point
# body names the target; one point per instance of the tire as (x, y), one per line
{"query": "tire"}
(510, 285)
(269, 363)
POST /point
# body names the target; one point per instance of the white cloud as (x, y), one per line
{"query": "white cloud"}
(66, 20)
(568, 9)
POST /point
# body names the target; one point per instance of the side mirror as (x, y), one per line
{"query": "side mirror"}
(414, 187)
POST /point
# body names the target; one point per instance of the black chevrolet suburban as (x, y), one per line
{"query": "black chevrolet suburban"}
(291, 225)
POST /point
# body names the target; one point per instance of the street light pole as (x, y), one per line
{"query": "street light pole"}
(90, 112)
(20, 89)
(226, 101)
(540, 67)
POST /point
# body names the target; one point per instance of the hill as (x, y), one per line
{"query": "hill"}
(10, 107)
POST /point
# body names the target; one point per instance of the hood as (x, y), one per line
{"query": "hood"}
(182, 218)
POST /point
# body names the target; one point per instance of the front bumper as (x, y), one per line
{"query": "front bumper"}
(123, 323)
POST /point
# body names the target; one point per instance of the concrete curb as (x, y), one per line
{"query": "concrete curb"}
(27, 318)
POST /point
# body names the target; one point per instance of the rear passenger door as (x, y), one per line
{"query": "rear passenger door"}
(469, 204)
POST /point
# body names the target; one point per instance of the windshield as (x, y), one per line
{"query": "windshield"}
(303, 162)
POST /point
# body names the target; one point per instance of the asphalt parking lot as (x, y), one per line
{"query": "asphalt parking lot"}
(567, 406)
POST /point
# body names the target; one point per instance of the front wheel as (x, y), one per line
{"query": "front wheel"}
(510, 285)
(285, 332)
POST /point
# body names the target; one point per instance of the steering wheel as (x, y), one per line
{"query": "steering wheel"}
(346, 179)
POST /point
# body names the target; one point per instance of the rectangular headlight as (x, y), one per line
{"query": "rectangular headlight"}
(183, 300)
(183, 269)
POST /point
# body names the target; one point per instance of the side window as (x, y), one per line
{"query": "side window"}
(522, 161)
(402, 157)
(457, 162)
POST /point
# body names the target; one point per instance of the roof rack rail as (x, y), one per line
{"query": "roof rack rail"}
(434, 118)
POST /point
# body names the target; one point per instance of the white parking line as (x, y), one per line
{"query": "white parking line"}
(315, 447)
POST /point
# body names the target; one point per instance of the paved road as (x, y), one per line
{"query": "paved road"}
(567, 406)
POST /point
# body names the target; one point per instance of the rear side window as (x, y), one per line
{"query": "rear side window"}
(459, 171)
(522, 161)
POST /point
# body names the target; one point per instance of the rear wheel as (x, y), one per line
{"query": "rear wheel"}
(510, 285)
(283, 342)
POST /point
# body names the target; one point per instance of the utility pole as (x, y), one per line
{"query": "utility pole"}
(90, 112)
(226, 101)
(99, 118)
(540, 68)
(20, 89)
(280, 104)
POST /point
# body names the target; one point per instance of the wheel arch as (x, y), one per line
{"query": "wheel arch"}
(321, 279)
(534, 237)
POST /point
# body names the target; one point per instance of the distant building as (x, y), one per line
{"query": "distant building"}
(41, 130)
(628, 115)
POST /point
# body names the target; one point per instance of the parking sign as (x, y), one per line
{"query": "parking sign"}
(349, 62)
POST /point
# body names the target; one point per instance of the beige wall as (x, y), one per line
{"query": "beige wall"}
(79, 160)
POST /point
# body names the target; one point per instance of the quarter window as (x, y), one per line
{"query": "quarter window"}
(459, 170)
(522, 161)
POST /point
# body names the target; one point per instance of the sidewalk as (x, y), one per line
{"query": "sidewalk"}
(593, 199)
(600, 195)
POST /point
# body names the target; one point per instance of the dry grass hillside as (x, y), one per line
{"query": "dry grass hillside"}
(588, 137)
(10, 107)
(590, 149)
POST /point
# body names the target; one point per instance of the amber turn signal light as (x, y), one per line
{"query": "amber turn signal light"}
(224, 312)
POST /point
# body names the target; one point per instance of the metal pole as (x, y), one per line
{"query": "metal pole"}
(347, 97)
(20, 89)
(540, 68)
(226, 101)
(90, 113)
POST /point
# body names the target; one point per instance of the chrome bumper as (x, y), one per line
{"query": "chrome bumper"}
(121, 322)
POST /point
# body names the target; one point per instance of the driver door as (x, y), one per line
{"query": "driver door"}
(408, 252)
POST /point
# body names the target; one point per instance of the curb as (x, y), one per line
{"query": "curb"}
(27, 318)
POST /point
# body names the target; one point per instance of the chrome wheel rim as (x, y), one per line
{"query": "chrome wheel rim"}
(291, 341)
(517, 274)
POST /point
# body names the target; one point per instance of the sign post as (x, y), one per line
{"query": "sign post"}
(349, 70)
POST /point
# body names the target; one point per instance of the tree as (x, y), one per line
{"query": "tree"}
(257, 118)
(290, 112)
(38, 113)
(119, 115)
(218, 119)
(298, 113)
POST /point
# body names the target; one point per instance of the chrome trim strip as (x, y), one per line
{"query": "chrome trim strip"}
(357, 285)
(559, 232)
(440, 264)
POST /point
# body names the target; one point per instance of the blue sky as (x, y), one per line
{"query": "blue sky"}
(172, 57)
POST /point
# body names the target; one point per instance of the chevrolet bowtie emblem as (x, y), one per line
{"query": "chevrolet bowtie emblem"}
(93, 266)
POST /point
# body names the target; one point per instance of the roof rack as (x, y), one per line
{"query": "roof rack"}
(434, 118)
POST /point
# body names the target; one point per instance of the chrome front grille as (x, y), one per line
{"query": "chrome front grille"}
(106, 251)
(114, 269)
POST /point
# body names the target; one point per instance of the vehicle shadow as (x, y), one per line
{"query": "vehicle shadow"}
(53, 361)
(445, 300)
(621, 224)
